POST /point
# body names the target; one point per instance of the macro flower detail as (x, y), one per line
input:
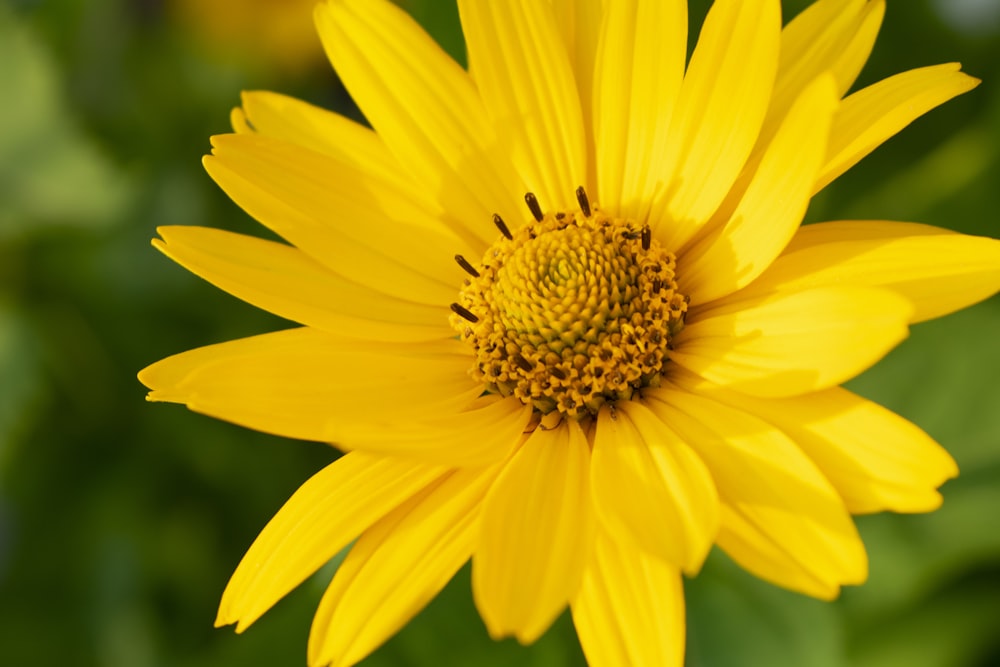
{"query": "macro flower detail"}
(575, 311)
(562, 315)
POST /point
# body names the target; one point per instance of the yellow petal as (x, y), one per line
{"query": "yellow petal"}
(481, 434)
(871, 116)
(650, 490)
(733, 67)
(535, 534)
(285, 281)
(526, 81)
(847, 65)
(308, 384)
(793, 343)
(425, 108)
(294, 121)
(781, 519)
(396, 567)
(630, 609)
(876, 460)
(834, 36)
(830, 38)
(323, 516)
(579, 22)
(352, 144)
(640, 66)
(937, 270)
(772, 207)
(238, 120)
(362, 226)
(579, 25)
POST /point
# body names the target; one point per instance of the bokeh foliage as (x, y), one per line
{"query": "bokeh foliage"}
(120, 521)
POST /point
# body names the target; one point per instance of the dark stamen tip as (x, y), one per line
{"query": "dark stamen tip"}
(558, 372)
(522, 363)
(534, 206)
(464, 313)
(583, 200)
(502, 226)
(468, 268)
(647, 237)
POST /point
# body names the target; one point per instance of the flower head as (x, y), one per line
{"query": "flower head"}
(561, 313)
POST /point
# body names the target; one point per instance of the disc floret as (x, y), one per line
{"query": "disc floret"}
(571, 311)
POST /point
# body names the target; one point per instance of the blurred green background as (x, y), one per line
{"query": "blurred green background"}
(121, 521)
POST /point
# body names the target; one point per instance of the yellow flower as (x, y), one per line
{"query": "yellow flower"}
(581, 388)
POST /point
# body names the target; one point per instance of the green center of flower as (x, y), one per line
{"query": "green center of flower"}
(571, 311)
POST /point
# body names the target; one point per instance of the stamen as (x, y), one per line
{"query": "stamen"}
(534, 206)
(502, 226)
(571, 312)
(522, 363)
(464, 313)
(583, 200)
(462, 262)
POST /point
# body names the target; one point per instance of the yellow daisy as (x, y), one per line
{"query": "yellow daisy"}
(560, 312)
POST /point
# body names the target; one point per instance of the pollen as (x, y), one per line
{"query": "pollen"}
(570, 311)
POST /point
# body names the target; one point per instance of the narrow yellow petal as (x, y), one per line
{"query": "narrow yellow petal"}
(937, 270)
(396, 567)
(535, 535)
(324, 515)
(309, 384)
(733, 67)
(872, 115)
(425, 108)
(639, 70)
(238, 120)
(526, 81)
(876, 460)
(772, 207)
(291, 120)
(350, 143)
(829, 36)
(630, 609)
(285, 281)
(650, 490)
(847, 65)
(781, 519)
(481, 434)
(294, 121)
(363, 227)
(579, 22)
(793, 343)
(354, 145)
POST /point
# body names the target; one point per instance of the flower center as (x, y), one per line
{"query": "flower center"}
(571, 311)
